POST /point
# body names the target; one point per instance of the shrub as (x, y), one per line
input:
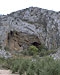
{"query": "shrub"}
(48, 52)
(25, 52)
(3, 62)
(14, 65)
(23, 66)
(42, 66)
(41, 51)
(30, 72)
(33, 50)
(42, 47)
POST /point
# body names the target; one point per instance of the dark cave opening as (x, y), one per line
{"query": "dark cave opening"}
(15, 40)
(36, 44)
(9, 35)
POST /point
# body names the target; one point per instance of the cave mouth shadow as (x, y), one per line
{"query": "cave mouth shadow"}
(9, 35)
(36, 44)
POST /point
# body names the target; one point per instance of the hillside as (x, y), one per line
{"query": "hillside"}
(20, 29)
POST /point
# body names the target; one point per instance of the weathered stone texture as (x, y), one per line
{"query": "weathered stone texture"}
(32, 25)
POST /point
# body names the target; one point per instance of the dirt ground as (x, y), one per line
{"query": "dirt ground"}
(6, 72)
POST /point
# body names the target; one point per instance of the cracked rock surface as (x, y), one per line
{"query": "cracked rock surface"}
(21, 28)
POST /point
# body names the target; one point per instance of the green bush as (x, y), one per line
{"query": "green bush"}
(40, 66)
(14, 65)
(41, 51)
(25, 52)
(48, 52)
(42, 47)
(3, 63)
(33, 50)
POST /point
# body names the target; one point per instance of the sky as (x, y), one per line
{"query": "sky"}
(8, 6)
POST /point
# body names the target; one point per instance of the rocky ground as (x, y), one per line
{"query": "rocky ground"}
(6, 72)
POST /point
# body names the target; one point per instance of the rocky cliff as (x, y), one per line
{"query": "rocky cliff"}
(20, 29)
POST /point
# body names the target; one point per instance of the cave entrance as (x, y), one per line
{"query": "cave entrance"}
(36, 44)
(20, 41)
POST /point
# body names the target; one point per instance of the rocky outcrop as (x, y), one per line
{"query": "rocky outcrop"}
(18, 40)
(5, 54)
(56, 55)
(21, 28)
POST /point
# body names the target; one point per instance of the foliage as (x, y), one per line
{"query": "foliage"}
(33, 50)
(44, 66)
(41, 51)
(42, 47)
(3, 62)
(48, 52)
(25, 52)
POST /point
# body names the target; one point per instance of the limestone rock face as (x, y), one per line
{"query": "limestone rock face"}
(21, 28)
(19, 40)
